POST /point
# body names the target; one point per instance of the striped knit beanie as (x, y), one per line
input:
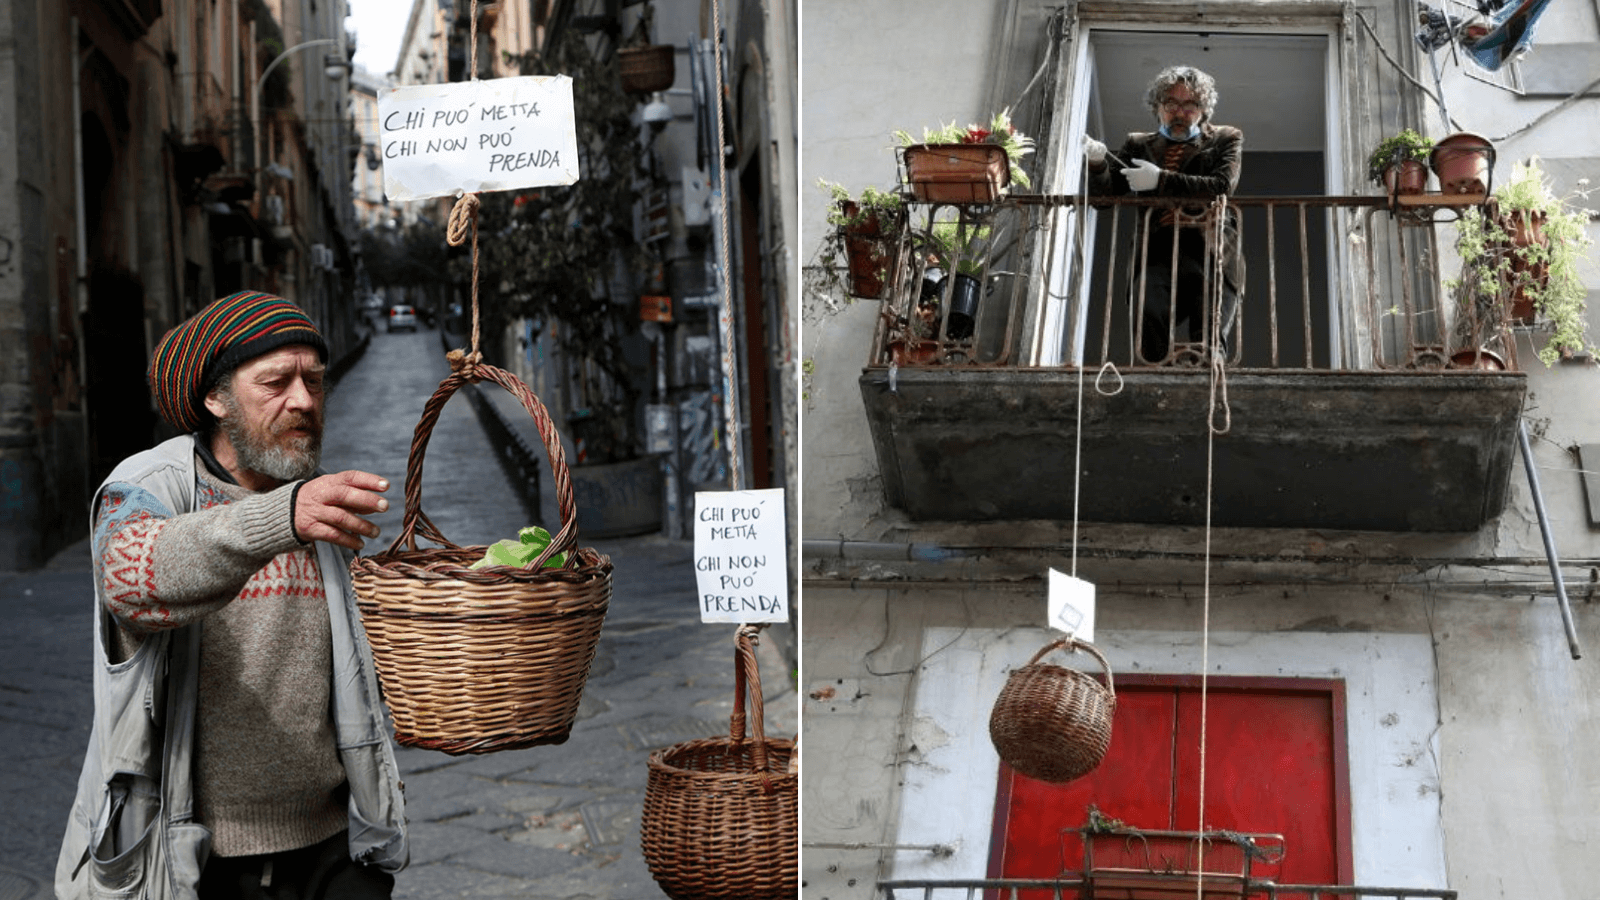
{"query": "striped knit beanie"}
(193, 357)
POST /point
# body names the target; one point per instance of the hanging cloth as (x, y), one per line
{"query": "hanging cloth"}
(1510, 32)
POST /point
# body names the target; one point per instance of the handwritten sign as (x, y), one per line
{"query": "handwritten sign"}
(740, 565)
(1071, 606)
(493, 135)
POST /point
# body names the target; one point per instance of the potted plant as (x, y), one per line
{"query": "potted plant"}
(961, 249)
(865, 237)
(974, 164)
(644, 67)
(1462, 161)
(1519, 262)
(1400, 163)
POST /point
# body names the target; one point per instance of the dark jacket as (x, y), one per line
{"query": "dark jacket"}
(1209, 166)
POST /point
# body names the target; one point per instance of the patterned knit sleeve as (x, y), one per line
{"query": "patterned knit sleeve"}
(160, 571)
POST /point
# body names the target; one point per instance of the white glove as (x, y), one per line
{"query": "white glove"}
(1143, 175)
(1093, 151)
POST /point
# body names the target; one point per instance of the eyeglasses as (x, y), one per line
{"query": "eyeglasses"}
(1187, 106)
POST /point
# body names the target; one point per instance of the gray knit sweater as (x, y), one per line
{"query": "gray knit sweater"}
(267, 771)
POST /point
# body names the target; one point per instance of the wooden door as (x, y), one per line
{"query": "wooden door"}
(1275, 764)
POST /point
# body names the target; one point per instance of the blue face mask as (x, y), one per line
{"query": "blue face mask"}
(1193, 133)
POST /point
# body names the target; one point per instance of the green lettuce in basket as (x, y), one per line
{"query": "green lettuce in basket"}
(530, 543)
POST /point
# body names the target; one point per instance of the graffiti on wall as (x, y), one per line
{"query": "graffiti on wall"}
(698, 439)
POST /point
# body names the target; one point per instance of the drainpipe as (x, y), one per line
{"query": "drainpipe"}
(843, 549)
(1549, 541)
(82, 228)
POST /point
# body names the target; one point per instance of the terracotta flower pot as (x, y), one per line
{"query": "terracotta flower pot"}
(1462, 161)
(1525, 226)
(1406, 178)
(957, 173)
(913, 352)
(1483, 360)
(867, 250)
(1526, 229)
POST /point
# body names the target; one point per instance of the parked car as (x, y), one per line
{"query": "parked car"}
(402, 317)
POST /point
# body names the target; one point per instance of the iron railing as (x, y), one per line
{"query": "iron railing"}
(1332, 283)
(1075, 888)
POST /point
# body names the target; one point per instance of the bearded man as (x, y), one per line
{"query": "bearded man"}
(239, 747)
(1178, 252)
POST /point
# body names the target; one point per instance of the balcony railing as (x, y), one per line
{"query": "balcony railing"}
(1333, 283)
(1339, 397)
(1073, 888)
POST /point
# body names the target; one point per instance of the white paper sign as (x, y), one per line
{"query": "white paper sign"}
(497, 134)
(740, 565)
(1071, 606)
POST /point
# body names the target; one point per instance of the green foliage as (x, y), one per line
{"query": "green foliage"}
(873, 208)
(416, 256)
(873, 203)
(521, 552)
(549, 254)
(1000, 131)
(1493, 267)
(1100, 823)
(965, 244)
(1408, 144)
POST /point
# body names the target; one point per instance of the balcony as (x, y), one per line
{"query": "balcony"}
(1353, 392)
(1074, 888)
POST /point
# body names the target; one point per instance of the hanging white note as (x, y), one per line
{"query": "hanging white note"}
(1071, 606)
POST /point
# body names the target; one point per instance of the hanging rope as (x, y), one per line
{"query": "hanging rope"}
(1218, 356)
(730, 371)
(1079, 254)
(1217, 217)
(464, 222)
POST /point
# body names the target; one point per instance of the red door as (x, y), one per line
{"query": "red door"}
(1275, 764)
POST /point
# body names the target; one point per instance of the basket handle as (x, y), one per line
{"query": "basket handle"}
(1070, 644)
(747, 678)
(417, 524)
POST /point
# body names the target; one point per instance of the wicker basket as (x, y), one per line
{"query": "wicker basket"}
(1053, 723)
(474, 661)
(721, 815)
(646, 69)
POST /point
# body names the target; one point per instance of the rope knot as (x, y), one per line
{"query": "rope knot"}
(463, 220)
(465, 364)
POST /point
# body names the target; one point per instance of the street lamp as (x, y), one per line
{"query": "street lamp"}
(334, 67)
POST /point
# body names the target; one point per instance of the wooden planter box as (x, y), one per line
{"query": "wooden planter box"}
(1172, 865)
(957, 173)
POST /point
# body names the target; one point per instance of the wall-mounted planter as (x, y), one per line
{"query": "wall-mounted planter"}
(646, 69)
(869, 252)
(957, 173)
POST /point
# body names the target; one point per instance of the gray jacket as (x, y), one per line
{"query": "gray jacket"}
(135, 794)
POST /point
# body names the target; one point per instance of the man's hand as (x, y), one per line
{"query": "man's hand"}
(1094, 151)
(330, 508)
(1143, 175)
